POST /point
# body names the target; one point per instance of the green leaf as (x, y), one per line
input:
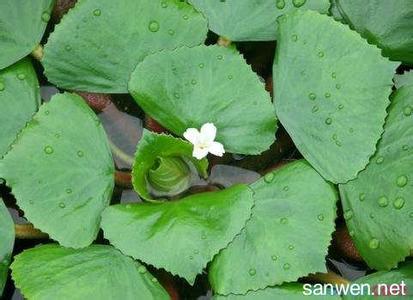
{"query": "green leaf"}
(80, 57)
(60, 170)
(95, 272)
(290, 291)
(21, 28)
(403, 274)
(155, 147)
(193, 86)
(379, 204)
(6, 243)
(403, 79)
(181, 236)
(331, 93)
(384, 23)
(19, 100)
(287, 236)
(246, 20)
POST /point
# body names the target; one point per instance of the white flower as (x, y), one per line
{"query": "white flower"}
(203, 141)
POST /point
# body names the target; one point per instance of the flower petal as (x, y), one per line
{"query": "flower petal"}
(208, 132)
(199, 153)
(216, 148)
(192, 135)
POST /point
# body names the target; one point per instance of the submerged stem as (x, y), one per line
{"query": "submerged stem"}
(27, 231)
(37, 53)
(329, 277)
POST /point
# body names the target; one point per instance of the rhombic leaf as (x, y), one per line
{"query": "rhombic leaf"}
(180, 236)
(403, 274)
(21, 28)
(385, 23)
(60, 170)
(154, 146)
(379, 204)
(189, 87)
(289, 291)
(95, 272)
(246, 20)
(331, 93)
(6, 243)
(99, 42)
(19, 100)
(287, 236)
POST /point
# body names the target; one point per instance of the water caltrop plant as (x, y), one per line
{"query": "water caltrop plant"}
(305, 107)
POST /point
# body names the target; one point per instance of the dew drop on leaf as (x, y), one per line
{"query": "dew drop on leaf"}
(333, 75)
(154, 280)
(97, 12)
(291, 247)
(348, 214)
(142, 269)
(230, 77)
(21, 76)
(48, 150)
(401, 181)
(153, 26)
(362, 196)
(201, 65)
(164, 4)
(407, 111)
(280, 4)
(193, 82)
(383, 201)
(398, 203)
(379, 160)
(374, 243)
(68, 191)
(45, 17)
(252, 271)
(171, 32)
(62, 205)
(315, 109)
(220, 57)
(320, 54)
(80, 153)
(338, 86)
(274, 257)
(294, 37)
(340, 106)
(327, 95)
(286, 188)
(312, 96)
(185, 17)
(268, 178)
(298, 3)
(320, 217)
(68, 48)
(283, 220)
(286, 266)
(405, 147)
(328, 121)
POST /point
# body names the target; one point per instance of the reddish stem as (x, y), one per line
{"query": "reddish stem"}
(123, 179)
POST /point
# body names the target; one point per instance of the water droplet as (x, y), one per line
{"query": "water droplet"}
(153, 26)
(2, 86)
(338, 86)
(164, 4)
(62, 205)
(320, 217)
(328, 121)
(283, 220)
(327, 95)
(401, 181)
(57, 135)
(398, 203)
(405, 147)
(286, 266)
(407, 111)
(268, 178)
(219, 57)
(176, 95)
(362, 196)
(351, 130)
(68, 48)
(280, 4)
(312, 96)
(203, 236)
(286, 188)
(193, 82)
(334, 136)
(333, 75)
(294, 37)
(196, 251)
(383, 201)
(379, 160)
(348, 214)
(21, 76)
(320, 54)
(68, 191)
(252, 271)
(48, 150)
(371, 216)
(80, 153)
(298, 3)
(154, 280)
(315, 109)
(340, 106)
(142, 269)
(97, 12)
(274, 257)
(230, 77)
(201, 65)
(291, 247)
(191, 257)
(171, 32)
(338, 143)
(45, 17)
(185, 17)
(374, 243)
